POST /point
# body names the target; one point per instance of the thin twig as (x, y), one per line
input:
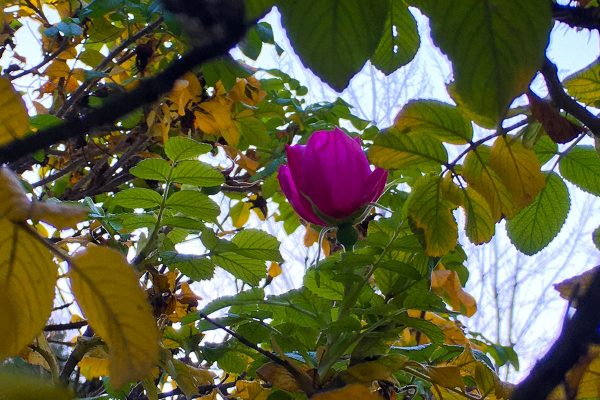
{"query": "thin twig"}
(65, 327)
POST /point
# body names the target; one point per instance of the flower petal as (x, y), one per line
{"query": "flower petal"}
(375, 185)
(335, 170)
(290, 191)
(294, 158)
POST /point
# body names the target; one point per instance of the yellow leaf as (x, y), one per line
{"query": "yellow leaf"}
(353, 391)
(189, 378)
(446, 376)
(251, 390)
(518, 168)
(580, 283)
(278, 376)
(27, 278)
(447, 284)
(380, 369)
(274, 270)
(480, 223)
(240, 213)
(481, 177)
(180, 95)
(59, 215)
(310, 236)
(14, 121)
(94, 364)
(247, 91)
(57, 69)
(214, 118)
(15, 386)
(451, 191)
(108, 292)
(431, 213)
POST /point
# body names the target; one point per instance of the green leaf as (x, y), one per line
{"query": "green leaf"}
(194, 204)
(393, 149)
(137, 198)
(334, 38)
(584, 85)
(44, 121)
(131, 222)
(20, 386)
(480, 222)
(257, 244)
(431, 117)
(251, 45)
(596, 237)
(545, 149)
(256, 9)
(490, 69)
(181, 148)
(433, 332)
(537, 224)
(431, 213)
(325, 287)
(581, 166)
(155, 169)
(249, 297)
(399, 42)
(224, 69)
(196, 267)
(196, 173)
(249, 270)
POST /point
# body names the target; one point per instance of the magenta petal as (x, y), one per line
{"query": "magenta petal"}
(375, 185)
(290, 191)
(294, 158)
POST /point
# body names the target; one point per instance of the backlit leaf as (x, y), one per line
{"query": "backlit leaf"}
(137, 198)
(324, 34)
(431, 213)
(196, 173)
(480, 223)
(19, 386)
(575, 286)
(182, 148)
(193, 204)
(534, 227)
(247, 269)
(431, 117)
(240, 213)
(152, 168)
(399, 42)
(27, 279)
(489, 70)
(14, 121)
(325, 287)
(381, 369)
(584, 85)
(108, 292)
(393, 149)
(581, 166)
(446, 283)
(254, 243)
(194, 266)
(189, 378)
(518, 168)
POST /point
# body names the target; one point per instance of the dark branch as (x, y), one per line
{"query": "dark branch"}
(577, 17)
(573, 342)
(65, 327)
(148, 91)
(566, 102)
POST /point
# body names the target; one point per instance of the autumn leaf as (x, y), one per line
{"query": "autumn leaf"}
(353, 391)
(108, 292)
(576, 286)
(278, 376)
(188, 377)
(27, 278)
(447, 284)
(19, 386)
(14, 121)
(95, 363)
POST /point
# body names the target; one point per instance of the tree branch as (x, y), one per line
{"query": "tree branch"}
(573, 342)
(149, 90)
(64, 327)
(566, 102)
(577, 17)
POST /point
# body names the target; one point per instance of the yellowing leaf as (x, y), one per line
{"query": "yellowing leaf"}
(274, 270)
(14, 121)
(380, 369)
(251, 390)
(214, 118)
(188, 378)
(108, 292)
(185, 89)
(247, 91)
(310, 236)
(580, 283)
(481, 177)
(27, 278)
(452, 333)
(446, 376)
(59, 215)
(240, 213)
(447, 284)
(353, 391)
(431, 213)
(94, 364)
(480, 223)
(278, 376)
(15, 386)
(518, 168)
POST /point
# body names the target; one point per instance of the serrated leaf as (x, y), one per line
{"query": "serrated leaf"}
(534, 227)
(182, 148)
(137, 198)
(481, 177)
(193, 204)
(431, 213)
(581, 166)
(249, 270)
(324, 34)
(196, 173)
(14, 121)
(325, 287)
(489, 70)
(27, 279)
(518, 168)
(18, 386)
(545, 149)
(400, 40)
(480, 223)
(108, 292)
(584, 85)
(240, 213)
(155, 169)
(194, 266)
(393, 149)
(254, 243)
(435, 118)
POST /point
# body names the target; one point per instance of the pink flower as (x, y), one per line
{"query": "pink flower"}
(329, 181)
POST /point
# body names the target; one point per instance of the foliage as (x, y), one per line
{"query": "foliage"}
(130, 149)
